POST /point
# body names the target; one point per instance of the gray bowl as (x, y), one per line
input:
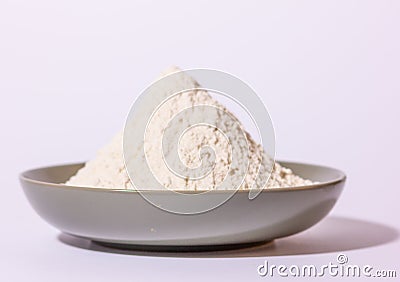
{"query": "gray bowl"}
(124, 218)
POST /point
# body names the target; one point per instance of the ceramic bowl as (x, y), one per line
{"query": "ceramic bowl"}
(125, 218)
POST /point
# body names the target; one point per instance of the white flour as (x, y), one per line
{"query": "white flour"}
(107, 170)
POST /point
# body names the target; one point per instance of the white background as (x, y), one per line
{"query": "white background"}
(328, 71)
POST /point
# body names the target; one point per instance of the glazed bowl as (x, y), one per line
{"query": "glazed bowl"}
(125, 218)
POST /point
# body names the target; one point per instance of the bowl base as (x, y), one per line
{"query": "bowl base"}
(180, 248)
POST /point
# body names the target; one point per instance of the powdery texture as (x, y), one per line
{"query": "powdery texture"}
(107, 170)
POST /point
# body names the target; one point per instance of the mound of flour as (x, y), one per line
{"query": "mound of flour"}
(107, 169)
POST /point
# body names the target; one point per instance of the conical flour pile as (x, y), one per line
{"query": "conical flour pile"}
(107, 169)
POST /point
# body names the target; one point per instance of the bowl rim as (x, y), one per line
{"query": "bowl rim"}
(340, 178)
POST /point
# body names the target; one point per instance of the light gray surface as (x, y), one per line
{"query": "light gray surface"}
(328, 72)
(125, 217)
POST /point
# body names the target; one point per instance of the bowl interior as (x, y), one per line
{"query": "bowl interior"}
(60, 174)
